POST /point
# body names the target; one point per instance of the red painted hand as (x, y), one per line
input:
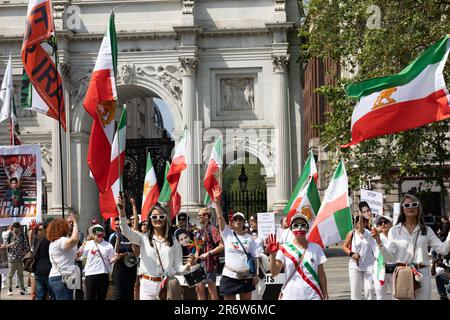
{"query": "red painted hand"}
(271, 243)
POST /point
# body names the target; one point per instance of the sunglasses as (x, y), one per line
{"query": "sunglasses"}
(381, 222)
(158, 217)
(144, 224)
(300, 225)
(238, 219)
(411, 205)
(181, 219)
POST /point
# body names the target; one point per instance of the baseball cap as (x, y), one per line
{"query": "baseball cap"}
(238, 214)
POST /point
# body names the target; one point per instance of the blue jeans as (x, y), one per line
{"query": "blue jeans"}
(60, 289)
(42, 288)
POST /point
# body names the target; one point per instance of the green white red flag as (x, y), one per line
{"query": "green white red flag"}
(412, 98)
(381, 270)
(39, 54)
(101, 103)
(334, 220)
(108, 198)
(310, 203)
(151, 189)
(309, 172)
(176, 167)
(213, 171)
(165, 196)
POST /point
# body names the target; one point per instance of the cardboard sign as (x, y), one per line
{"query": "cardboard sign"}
(266, 224)
(374, 199)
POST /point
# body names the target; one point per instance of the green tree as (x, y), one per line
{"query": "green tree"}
(342, 30)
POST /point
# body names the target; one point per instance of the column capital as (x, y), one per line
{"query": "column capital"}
(280, 62)
(188, 65)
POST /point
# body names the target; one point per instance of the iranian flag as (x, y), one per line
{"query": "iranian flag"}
(334, 220)
(108, 198)
(381, 270)
(151, 190)
(310, 203)
(176, 167)
(213, 172)
(412, 98)
(174, 202)
(309, 172)
(100, 103)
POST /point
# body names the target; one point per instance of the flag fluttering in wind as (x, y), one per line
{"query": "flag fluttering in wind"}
(108, 198)
(151, 189)
(8, 108)
(166, 196)
(40, 66)
(101, 103)
(310, 203)
(309, 172)
(213, 172)
(176, 167)
(412, 98)
(334, 219)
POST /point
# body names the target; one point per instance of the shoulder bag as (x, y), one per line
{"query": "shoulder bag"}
(163, 287)
(247, 272)
(29, 261)
(104, 263)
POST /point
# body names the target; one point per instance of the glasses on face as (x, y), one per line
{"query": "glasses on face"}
(299, 225)
(238, 219)
(381, 222)
(160, 217)
(181, 219)
(202, 215)
(411, 205)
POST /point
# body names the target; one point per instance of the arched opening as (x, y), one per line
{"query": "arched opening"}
(244, 187)
(150, 127)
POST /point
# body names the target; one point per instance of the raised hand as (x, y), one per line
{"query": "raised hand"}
(271, 243)
(217, 193)
(375, 234)
(120, 201)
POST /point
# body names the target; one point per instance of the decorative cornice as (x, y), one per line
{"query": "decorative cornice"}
(280, 5)
(188, 29)
(188, 7)
(280, 62)
(280, 26)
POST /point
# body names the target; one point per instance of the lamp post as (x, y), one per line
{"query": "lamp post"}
(243, 187)
(166, 145)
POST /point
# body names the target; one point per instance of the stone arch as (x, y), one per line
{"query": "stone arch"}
(147, 85)
(267, 162)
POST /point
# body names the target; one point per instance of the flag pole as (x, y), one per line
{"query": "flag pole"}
(55, 48)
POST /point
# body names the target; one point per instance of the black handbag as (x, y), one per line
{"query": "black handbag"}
(29, 261)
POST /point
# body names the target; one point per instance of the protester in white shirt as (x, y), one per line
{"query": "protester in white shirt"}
(382, 275)
(161, 255)
(359, 246)
(99, 255)
(62, 252)
(409, 242)
(302, 261)
(240, 247)
(263, 261)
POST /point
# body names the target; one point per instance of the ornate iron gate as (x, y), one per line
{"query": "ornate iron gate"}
(248, 202)
(135, 163)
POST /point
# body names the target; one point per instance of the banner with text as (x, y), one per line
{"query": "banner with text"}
(20, 184)
(266, 224)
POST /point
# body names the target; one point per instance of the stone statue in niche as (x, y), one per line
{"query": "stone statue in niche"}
(237, 94)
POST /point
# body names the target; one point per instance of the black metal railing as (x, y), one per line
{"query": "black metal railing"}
(248, 202)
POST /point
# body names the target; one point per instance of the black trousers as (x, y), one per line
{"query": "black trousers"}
(123, 279)
(96, 286)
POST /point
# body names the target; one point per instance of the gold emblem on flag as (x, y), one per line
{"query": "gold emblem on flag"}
(384, 98)
(307, 212)
(106, 111)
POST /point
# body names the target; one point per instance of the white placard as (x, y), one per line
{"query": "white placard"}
(396, 211)
(266, 224)
(374, 199)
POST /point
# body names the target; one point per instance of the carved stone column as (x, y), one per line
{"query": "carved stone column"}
(191, 185)
(281, 102)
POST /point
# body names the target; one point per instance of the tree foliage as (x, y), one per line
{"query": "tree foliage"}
(347, 31)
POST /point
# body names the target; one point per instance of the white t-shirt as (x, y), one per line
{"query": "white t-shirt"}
(285, 235)
(94, 263)
(364, 246)
(296, 288)
(60, 258)
(235, 257)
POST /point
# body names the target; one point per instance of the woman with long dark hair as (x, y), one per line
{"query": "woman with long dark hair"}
(161, 256)
(409, 240)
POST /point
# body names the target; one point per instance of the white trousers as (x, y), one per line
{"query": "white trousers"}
(383, 292)
(360, 280)
(149, 290)
(424, 292)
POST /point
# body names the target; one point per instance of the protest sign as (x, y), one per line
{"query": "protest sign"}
(266, 224)
(374, 199)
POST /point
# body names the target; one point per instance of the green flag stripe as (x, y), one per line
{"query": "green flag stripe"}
(432, 55)
(339, 170)
(313, 196)
(301, 181)
(164, 196)
(113, 40)
(123, 118)
(306, 263)
(25, 91)
(343, 221)
(207, 199)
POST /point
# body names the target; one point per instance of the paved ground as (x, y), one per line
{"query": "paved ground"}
(336, 269)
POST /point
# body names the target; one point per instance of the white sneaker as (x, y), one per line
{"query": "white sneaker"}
(9, 292)
(24, 292)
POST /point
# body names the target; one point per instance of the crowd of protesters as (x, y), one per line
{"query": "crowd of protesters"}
(145, 260)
